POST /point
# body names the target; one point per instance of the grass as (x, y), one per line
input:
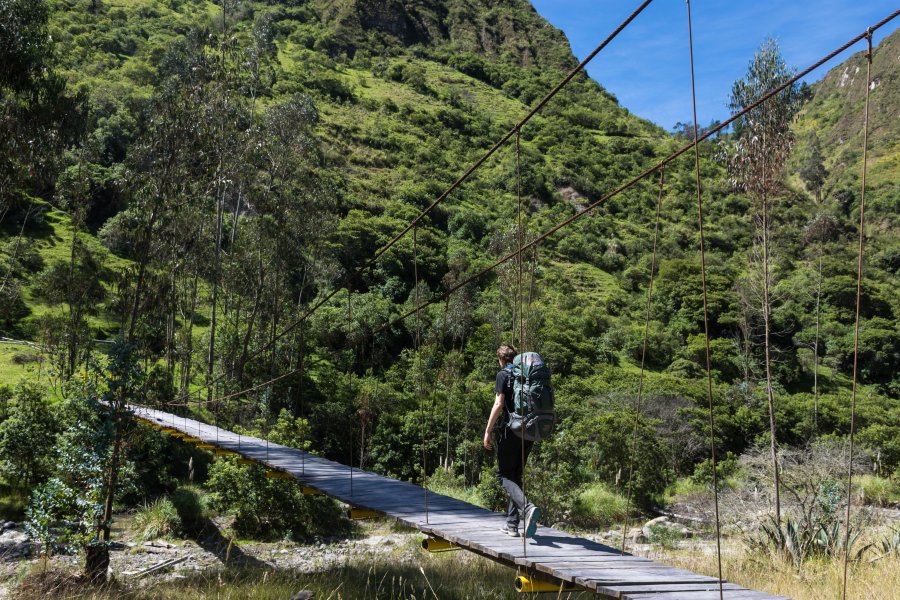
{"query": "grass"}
(448, 575)
(442, 482)
(159, 519)
(598, 506)
(584, 279)
(406, 573)
(11, 369)
(872, 580)
(877, 491)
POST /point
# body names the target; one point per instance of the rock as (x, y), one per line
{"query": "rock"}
(303, 595)
(647, 528)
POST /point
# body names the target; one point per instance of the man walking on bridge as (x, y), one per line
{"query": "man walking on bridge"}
(512, 451)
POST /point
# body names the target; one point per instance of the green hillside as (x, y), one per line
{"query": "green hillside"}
(226, 168)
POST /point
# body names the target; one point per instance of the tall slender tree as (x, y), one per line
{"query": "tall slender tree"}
(762, 145)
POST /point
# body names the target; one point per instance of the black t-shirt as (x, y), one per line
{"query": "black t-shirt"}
(504, 385)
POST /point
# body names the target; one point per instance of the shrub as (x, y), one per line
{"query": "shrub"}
(26, 438)
(877, 491)
(490, 493)
(190, 507)
(266, 508)
(665, 536)
(157, 520)
(598, 506)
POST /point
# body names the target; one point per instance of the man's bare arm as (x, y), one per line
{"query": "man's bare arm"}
(492, 420)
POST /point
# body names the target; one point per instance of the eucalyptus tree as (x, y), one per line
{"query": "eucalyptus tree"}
(821, 229)
(812, 170)
(293, 212)
(762, 144)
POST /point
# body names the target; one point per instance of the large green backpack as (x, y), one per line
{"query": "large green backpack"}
(533, 418)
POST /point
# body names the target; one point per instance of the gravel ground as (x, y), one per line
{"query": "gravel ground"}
(129, 556)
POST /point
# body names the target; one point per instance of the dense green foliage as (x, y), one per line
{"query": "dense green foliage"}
(238, 162)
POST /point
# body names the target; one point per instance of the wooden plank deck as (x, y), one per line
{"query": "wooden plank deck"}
(553, 554)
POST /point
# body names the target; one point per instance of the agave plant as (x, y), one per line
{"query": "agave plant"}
(890, 546)
(799, 540)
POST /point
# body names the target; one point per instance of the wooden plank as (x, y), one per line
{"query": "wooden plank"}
(728, 595)
(626, 591)
(555, 553)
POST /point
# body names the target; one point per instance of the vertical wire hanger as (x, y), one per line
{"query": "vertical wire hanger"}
(859, 266)
(418, 365)
(637, 413)
(519, 304)
(350, 386)
(709, 392)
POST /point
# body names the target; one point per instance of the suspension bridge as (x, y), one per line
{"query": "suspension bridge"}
(552, 561)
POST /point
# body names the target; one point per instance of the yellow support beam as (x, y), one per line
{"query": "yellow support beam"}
(278, 475)
(308, 491)
(246, 461)
(527, 585)
(222, 452)
(438, 545)
(206, 446)
(358, 514)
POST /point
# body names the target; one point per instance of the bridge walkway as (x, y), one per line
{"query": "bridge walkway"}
(552, 556)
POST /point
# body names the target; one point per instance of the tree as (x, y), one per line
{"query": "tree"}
(26, 455)
(763, 142)
(37, 117)
(812, 171)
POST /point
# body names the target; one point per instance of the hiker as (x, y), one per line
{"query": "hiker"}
(510, 456)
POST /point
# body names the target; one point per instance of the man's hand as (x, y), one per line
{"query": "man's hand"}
(487, 441)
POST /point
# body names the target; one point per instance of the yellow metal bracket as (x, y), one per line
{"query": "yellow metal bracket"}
(358, 514)
(308, 491)
(526, 585)
(221, 452)
(278, 475)
(246, 461)
(438, 545)
(206, 446)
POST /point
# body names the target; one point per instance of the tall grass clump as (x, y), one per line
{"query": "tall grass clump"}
(158, 519)
(598, 506)
(876, 491)
(190, 506)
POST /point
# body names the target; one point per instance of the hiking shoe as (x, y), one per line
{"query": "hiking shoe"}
(532, 514)
(510, 530)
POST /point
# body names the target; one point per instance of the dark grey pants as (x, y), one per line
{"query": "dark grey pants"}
(510, 467)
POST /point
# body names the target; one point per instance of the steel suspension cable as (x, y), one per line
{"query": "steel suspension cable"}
(600, 201)
(461, 179)
(513, 131)
(634, 180)
(709, 392)
(637, 412)
(859, 266)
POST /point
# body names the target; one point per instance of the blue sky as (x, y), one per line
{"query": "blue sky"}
(647, 67)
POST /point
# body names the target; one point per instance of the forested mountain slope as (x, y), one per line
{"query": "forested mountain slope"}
(237, 165)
